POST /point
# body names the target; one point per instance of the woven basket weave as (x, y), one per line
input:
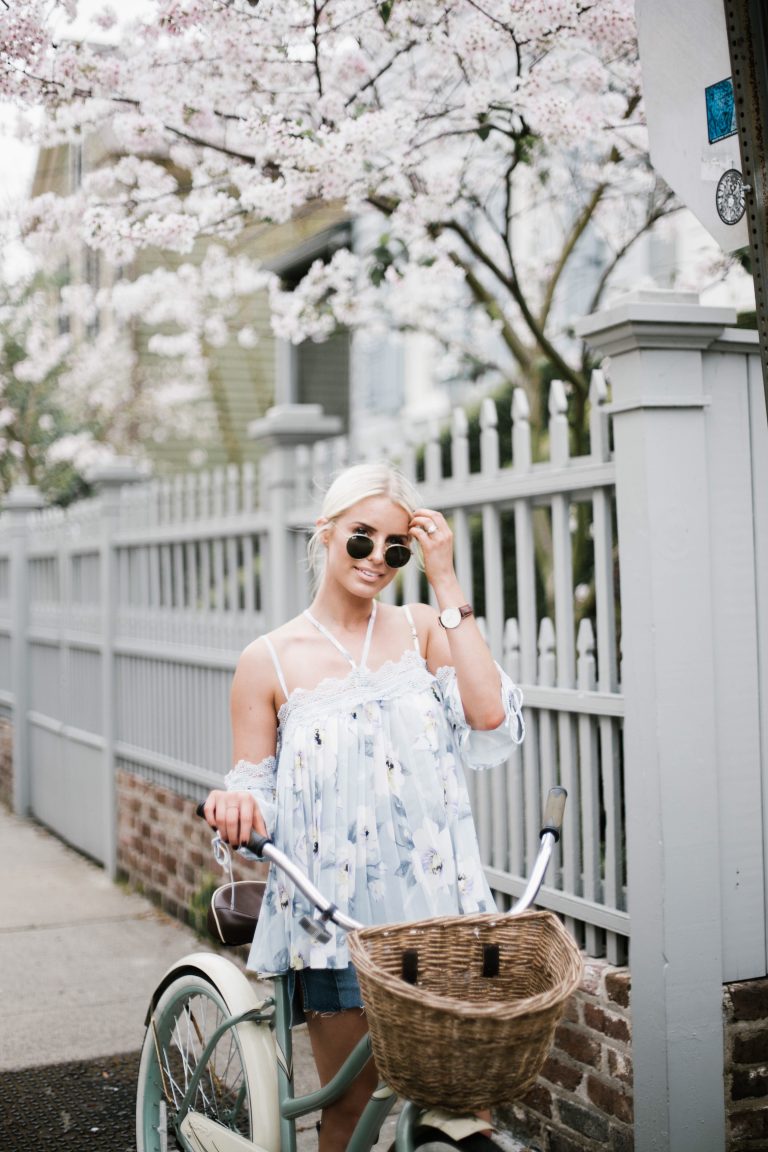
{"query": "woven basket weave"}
(458, 1039)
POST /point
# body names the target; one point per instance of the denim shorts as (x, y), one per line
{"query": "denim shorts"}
(323, 990)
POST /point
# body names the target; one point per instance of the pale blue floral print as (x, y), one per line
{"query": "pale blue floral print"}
(367, 794)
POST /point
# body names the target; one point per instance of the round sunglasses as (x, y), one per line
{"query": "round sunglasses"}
(395, 555)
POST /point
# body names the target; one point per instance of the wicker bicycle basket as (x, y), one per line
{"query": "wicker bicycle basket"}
(475, 1028)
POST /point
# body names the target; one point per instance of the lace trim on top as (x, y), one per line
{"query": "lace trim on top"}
(246, 775)
(409, 673)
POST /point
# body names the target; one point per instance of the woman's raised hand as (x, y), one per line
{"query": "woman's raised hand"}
(234, 815)
(434, 535)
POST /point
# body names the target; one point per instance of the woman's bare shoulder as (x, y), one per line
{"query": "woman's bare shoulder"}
(422, 614)
(256, 657)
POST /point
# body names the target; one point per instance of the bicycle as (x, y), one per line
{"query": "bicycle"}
(216, 1068)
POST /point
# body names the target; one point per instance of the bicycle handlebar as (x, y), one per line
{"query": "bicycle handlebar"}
(265, 848)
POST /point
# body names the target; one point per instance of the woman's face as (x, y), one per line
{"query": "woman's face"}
(384, 523)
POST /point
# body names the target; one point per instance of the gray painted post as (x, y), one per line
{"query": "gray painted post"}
(20, 501)
(655, 343)
(282, 430)
(108, 481)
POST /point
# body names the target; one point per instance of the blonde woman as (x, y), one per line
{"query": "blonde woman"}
(352, 725)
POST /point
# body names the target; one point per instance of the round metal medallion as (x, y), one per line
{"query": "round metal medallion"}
(729, 197)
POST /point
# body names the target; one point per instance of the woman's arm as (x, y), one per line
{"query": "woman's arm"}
(254, 739)
(463, 647)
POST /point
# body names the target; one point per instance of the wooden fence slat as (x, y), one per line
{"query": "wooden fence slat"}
(548, 774)
(205, 576)
(562, 570)
(514, 774)
(589, 781)
(462, 541)
(232, 575)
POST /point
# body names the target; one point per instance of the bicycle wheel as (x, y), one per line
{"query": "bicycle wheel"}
(186, 1016)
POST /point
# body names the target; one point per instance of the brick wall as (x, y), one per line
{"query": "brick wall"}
(582, 1102)
(164, 850)
(745, 1010)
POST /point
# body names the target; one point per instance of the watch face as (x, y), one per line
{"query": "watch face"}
(450, 617)
(729, 197)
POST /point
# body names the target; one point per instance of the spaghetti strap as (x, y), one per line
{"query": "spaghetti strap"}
(276, 662)
(340, 647)
(412, 626)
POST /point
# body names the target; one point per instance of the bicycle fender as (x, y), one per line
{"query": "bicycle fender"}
(258, 1044)
(238, 992)
(203, 1135)
(457, 1127)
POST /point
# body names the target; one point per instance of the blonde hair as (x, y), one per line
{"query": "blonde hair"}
(349, 488)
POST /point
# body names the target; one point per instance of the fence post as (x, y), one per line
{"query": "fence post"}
(655, 343)
(281, 431)
(108, 480)
(20, 501)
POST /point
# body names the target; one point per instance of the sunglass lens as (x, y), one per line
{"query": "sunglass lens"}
(359, 546)
(397, 555)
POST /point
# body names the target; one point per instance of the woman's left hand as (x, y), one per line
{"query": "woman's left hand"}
(431, 530)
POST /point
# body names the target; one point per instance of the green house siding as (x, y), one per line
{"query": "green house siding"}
(322, 375)
(241, 380)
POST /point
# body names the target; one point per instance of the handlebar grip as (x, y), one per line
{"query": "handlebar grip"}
(256, 842)
(553, 812)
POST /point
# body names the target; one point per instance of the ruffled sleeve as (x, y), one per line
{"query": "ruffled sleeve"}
(483, 748)
(258, 779)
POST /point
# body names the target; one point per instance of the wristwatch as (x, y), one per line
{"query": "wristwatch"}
(452, 617)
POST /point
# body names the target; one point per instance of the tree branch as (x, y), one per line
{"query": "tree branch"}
(577, 231)
(517, 348)
(512, 284)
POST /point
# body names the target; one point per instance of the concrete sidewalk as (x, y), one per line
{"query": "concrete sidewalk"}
(80, 956)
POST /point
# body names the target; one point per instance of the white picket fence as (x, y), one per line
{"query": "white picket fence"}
(139, 601)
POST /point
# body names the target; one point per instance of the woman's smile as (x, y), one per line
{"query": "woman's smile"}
(367, 574)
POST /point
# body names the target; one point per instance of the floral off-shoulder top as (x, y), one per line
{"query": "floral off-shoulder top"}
(367, 794)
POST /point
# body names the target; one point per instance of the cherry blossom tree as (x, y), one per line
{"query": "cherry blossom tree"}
(485, 142)
(69, 404)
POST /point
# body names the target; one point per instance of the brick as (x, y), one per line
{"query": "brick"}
(606, 1023)
(539, 1099)
(559, 1142)
(574, 1042)
(749, 1083)
(621, 1140)
(572, 1010)
(749, 999)
(617, 986)
(751, 1047)
(558, 1072)
(610, 1099)
(752, 1125)
(583, 1120)
(619, 1065)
